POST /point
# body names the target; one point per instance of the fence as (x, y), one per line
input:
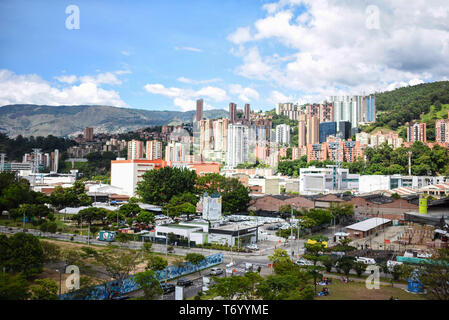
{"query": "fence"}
(103, 292)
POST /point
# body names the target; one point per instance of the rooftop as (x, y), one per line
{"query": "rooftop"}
(368, 224)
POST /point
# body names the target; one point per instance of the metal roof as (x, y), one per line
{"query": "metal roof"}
(368, 224)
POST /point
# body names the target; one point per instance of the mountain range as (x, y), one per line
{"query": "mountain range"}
(43, 120)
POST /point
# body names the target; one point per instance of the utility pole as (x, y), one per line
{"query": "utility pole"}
(409, 163)
(2, 161)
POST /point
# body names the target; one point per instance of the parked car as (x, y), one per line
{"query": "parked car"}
(216, 271)
(253, 246)
(167, 288)
(303, 262)
(391, 264)
(365, 260)
(184, 282)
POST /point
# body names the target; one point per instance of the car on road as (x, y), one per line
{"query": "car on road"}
(167, 287)
(216, 271)
(302, 262)
(230, 264)
(365, 260)
(184, 282)
(253, 246)
(273, 227)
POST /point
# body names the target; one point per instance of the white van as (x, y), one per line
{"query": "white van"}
(365, 260)
(391, 264)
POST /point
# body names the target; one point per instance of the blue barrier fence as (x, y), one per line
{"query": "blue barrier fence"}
(103, 292)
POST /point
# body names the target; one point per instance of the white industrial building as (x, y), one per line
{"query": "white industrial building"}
(126, 174)
(314, 180)
(372, 183)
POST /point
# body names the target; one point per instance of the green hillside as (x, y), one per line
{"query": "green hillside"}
(427, 102)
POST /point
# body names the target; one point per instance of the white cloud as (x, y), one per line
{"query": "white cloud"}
(126, 53)
(188, 49)
(106, 78)
(214, 93)
(67, 79)
(184, 98)
(120, 72)
(330, 48)
(241, 35)
(32, 89)
(190, 81)
(245, 94)
(168, 92)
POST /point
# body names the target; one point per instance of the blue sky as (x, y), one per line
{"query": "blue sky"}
(162, 55)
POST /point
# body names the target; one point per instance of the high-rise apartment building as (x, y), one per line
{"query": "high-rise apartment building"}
(313, 130)
(135, 149)
(302, 141)
(442, 130)
(247, 112)
(88, 134)
(369, 108)
(416, 132)
(283, 134)
(232, 112)
(154, 150)
(238, 145)
(348, 108)
(176, 152)
(326, 112)
(199, 109)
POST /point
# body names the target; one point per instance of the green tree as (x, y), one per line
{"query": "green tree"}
(359, 268)
(156, 263)
(313, 254)
(235, 196)
(115, 263)
(51, 251)
(89, 215)
(22, 252)
(434, 274)
(159, 186)
(149, 284)
(145, 217)
(195, 259)
(44, 289)
(13, 287)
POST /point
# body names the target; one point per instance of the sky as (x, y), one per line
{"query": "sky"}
(163, 55)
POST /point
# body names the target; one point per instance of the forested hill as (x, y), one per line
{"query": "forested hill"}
(396, 108)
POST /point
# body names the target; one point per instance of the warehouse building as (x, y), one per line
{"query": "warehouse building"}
(367, 227)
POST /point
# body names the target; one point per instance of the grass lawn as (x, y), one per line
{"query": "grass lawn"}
(357, 291)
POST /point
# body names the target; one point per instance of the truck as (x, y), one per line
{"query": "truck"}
(108, 236)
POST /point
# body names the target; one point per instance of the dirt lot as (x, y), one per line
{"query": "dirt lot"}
(50, 268)
(357, 291)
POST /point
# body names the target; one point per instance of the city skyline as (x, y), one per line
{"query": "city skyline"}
(265, 54)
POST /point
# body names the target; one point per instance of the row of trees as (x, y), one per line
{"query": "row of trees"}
(311, 219)
(15, 148)
(384, 160)
(178, 190)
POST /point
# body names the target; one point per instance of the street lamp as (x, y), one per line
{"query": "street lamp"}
(60, 280)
